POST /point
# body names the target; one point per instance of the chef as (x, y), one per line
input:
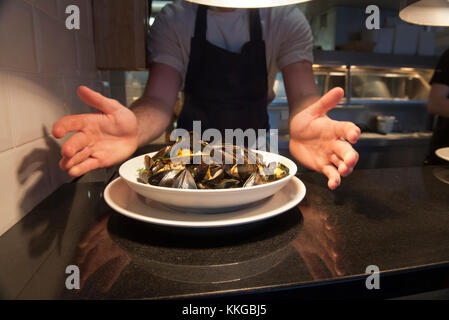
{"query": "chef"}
(225, 60)
(438, 105)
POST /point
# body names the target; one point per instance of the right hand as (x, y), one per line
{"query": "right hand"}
(101, 140)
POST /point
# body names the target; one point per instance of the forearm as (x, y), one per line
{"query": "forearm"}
(153, 117)
(300, 87)
(302, 103)
(439, 107)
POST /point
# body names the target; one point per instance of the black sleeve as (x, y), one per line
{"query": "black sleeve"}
(441, 74)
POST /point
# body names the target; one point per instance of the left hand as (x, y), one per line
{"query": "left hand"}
(323, 144)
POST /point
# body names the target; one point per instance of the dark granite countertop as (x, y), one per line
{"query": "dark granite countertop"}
(396, 219)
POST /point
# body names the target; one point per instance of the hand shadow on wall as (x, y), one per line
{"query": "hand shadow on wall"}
(48, 220)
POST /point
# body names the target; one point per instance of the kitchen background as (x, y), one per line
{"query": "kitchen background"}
(42, 63)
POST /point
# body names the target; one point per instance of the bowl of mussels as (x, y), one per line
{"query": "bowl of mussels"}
(207, 178)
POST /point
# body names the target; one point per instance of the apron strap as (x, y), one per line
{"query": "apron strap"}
(255, 27)
(201, 22)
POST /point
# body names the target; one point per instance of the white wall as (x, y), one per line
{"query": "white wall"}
(41, 65)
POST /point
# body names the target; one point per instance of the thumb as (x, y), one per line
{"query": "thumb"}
(96, 100)
(327, 102)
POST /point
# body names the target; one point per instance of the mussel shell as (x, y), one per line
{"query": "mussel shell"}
(143, 176)
(198, 171)
(149, 162)
(156, 167)
(216, 174)
(161, 153)
(164, 178)
(254, 179)
(240, 171)
(184, 180)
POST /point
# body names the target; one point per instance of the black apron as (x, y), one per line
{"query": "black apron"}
(223, 89)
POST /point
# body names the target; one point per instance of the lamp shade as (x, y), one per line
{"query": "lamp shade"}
(426, 12)
(246, 3)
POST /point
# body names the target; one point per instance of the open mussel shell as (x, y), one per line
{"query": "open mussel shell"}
(184, 180)
(164, 178)
(148, 162)
(274, 171)
(254, 179)
(240, 171)
(198, 171)
(162, 153)
(214, 173)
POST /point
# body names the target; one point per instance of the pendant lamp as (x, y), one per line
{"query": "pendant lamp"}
(246, 3)
(425, 12)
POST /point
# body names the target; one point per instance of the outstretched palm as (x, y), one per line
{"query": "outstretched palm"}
(323, 144)
(102, 139)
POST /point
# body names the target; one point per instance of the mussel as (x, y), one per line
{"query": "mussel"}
(237, 167)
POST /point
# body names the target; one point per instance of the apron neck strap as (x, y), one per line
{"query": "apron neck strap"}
(255, 27)
(201, 22)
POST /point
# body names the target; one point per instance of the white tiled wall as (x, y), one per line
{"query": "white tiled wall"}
(41, 65)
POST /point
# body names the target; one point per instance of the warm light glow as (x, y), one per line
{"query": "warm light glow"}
(427, 12)
(247, 3)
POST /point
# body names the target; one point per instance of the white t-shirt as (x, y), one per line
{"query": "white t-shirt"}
(286, 32)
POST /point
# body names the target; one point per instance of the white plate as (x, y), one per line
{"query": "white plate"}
(210, 200)
(443, 153)
(120, 197)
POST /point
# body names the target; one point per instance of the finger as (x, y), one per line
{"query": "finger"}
(345, 152)
(343, 169)
(347, 130)
(76, 143)
(68, 163)
(332, 174)
(328, 101)
(96, 100)
(84, 167)
(68, 124)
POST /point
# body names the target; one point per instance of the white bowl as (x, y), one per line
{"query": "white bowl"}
(202, 200)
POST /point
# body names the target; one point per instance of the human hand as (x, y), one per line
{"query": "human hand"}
(97, 249)
(323, 144)
(101, 140)
(320, 243)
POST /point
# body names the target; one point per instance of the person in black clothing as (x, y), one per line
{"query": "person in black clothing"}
(438, 105)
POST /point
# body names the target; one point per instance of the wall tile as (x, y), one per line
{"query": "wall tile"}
(41, 65)
(56, 174)
(17, 36)
(36, 103)
(86, 55)
(48, 6)
(55, 45)
(26, 170)
(6, 141)
(74, 103)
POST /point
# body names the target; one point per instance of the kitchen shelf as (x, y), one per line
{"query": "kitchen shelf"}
(372, 59)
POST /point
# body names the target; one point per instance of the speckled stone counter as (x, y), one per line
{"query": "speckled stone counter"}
(396, 219)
